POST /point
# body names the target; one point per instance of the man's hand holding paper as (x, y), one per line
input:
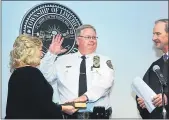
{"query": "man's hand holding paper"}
(145, 94)
(157, 100)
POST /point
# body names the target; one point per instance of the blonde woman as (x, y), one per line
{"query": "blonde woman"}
(29, 94)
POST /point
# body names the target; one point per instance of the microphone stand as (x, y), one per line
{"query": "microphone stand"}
(163, 82)
(164, 112)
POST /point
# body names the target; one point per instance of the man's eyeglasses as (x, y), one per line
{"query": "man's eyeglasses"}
(89, 37)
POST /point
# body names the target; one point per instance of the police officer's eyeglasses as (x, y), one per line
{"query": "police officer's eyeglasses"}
(89, 37)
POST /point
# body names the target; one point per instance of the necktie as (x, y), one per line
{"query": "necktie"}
(165, 69)
(165, 57)
(82, 77)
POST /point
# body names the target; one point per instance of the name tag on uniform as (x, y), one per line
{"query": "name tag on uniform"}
(95, 70)
(68, 66)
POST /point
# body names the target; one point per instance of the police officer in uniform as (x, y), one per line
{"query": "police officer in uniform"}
(84, 76)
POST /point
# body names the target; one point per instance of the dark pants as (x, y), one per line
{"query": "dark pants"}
(96, 114)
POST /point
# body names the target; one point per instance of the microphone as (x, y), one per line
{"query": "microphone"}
(159, 74)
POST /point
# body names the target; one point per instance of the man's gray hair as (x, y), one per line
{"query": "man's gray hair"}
(164, 21)
(82, 27)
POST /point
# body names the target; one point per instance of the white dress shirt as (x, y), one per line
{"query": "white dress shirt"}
(65, 71)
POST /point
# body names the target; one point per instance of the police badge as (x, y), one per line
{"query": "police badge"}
(96, 62)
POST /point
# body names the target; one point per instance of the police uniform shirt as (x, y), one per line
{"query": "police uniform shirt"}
(65, 70)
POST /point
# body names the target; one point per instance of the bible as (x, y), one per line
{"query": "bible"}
(78, 105)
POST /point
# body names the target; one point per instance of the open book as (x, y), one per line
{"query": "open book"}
(142, 90)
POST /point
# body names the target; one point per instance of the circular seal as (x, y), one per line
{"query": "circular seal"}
(49, 19)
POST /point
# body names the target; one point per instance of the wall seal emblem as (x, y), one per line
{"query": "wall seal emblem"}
(49, 19)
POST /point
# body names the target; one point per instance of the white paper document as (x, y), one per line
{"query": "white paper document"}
(142, 90)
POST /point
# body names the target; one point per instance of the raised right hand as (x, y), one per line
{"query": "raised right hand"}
(141, 103)
(56, 45)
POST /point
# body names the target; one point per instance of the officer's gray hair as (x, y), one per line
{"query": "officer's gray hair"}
(82, 27)
(164, 21)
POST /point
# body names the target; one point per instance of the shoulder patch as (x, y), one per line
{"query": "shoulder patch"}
(109, 64)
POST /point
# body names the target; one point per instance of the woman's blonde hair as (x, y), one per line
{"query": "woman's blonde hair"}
(24, 51)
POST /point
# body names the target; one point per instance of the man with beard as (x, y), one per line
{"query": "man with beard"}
(160, 38)
(84, 76)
